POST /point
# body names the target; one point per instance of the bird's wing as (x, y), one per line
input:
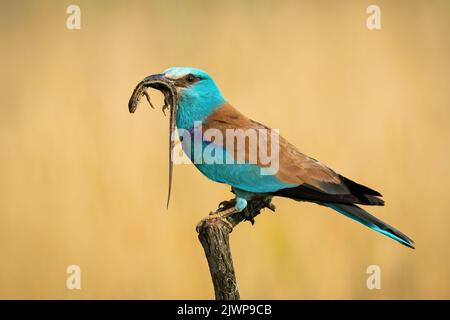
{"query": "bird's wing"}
(312, 180)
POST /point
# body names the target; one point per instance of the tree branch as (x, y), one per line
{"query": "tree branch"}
(214, 237)
(213, 234)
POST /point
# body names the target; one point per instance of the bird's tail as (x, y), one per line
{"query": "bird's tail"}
(358, 214)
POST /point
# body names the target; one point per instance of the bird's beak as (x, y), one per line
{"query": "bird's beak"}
(167, 87)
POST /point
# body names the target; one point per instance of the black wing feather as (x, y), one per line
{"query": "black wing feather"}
(357, 194)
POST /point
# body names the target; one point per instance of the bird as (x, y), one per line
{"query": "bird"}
(196, 101)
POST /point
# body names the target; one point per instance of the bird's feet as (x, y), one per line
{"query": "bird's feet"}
(238, 209)
(227, 209)
(227, 204)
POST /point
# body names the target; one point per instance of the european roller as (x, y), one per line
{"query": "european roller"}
(196, 103)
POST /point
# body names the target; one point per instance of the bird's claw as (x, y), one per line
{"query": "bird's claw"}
(227, 208)
(224, 205)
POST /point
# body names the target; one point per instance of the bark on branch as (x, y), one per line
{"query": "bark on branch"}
(213, 234)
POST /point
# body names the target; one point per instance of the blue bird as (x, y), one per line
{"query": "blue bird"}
(207, 122)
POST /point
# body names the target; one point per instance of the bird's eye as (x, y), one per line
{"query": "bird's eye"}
(190, 78)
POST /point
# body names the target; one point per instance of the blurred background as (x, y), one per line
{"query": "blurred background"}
(84, 182)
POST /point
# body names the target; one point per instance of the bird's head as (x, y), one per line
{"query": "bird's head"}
(194, 90)
(194, 85)
(197, 93)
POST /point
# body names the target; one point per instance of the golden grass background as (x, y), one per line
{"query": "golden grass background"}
(84, 182)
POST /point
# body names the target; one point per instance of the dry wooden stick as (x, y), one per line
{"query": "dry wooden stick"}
(213, 234)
